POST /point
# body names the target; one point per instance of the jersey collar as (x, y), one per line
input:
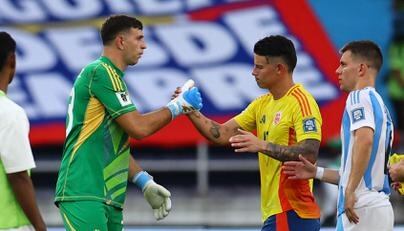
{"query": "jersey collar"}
(109, 62)
(2, 93)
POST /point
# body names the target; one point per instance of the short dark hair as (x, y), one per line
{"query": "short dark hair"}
(277, 46)
(116, 24)
(7, 47)
(367, 50)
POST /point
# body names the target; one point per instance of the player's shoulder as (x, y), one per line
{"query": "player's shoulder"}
(299, 88)
(10, 112)
(362, 97)
(104, 67)
(95, 66)
(263, 98)
(299, 94)
(94, 70)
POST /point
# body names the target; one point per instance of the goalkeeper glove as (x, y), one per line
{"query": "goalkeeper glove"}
(187, 101)
(156, 195)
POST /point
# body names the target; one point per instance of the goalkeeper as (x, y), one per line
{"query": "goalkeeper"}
(96, 162)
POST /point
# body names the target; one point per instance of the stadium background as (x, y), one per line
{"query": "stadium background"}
(211, 42)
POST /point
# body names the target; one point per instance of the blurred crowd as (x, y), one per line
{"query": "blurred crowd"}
(395, 80)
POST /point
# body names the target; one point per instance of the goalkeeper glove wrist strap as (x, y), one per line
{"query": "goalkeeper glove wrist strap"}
(174, 108)
(141, 179)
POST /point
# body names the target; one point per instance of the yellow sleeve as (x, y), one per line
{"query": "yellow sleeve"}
(308, 120)
(247, 118)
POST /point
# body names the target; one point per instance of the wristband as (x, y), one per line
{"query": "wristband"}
(174, 108)
(319, 173)
(141, 179)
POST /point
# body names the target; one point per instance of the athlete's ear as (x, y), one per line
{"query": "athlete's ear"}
(11, 60)
(280, 67)
(362, 69)
(119, 41)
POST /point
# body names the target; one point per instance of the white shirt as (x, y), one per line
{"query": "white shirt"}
(15, 149)
(365, 108)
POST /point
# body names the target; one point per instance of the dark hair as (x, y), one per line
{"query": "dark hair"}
(7, 46)
(116, 24)
(367, 50)
(277, 46)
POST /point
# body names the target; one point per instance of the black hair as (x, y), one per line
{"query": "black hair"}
(116, 24)
(277, 46)
(7, 47)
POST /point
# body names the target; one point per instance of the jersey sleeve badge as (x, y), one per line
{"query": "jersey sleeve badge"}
(357, 114)
(123, 98)
(309, 125)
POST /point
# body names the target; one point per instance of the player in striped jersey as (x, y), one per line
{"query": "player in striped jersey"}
(96, 163)
(366, 134)
(288, 123)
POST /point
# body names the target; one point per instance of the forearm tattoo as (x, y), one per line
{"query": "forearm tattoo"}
(215, 130)
(212, 130)
(213, 127)
(308, 148)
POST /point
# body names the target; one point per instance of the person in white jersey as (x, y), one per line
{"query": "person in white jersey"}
(18, 208)
(366, 134)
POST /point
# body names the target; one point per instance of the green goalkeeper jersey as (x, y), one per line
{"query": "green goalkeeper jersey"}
(95, 158)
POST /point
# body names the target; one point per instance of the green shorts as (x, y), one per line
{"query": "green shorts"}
(90, 215)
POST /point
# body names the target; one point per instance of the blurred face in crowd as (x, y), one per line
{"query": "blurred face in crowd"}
(132, 45)
(265, 71)
(348, 72)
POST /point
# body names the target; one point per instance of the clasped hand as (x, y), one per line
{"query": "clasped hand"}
(185, 102)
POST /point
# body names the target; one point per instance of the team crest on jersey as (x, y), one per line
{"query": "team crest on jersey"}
(358, 114)
(309, 125)
(123, 98)
(277, 118)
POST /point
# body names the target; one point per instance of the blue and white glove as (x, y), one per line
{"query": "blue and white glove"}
(187, 101)
(156, 195)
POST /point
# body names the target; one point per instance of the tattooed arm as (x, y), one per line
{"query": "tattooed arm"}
(213, 131)
(307, 148)
(248, 142)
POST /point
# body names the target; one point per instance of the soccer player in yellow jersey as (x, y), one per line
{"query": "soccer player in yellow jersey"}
(288, 123)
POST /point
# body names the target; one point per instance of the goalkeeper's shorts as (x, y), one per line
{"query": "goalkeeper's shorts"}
(90, 215)
(290, 221)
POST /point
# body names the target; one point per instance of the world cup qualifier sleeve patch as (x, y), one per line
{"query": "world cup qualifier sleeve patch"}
(309, 125)
(123, 98)
(357, 114)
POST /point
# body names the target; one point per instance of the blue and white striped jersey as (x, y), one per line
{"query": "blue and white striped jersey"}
(365, 108)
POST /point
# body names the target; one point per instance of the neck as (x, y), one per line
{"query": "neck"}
(115, 57)
(282, 87)
(3, 82)
(365, 82)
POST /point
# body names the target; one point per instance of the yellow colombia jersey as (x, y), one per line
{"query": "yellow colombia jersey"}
(285, 121)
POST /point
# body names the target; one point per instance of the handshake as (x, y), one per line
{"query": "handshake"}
(188, 100)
